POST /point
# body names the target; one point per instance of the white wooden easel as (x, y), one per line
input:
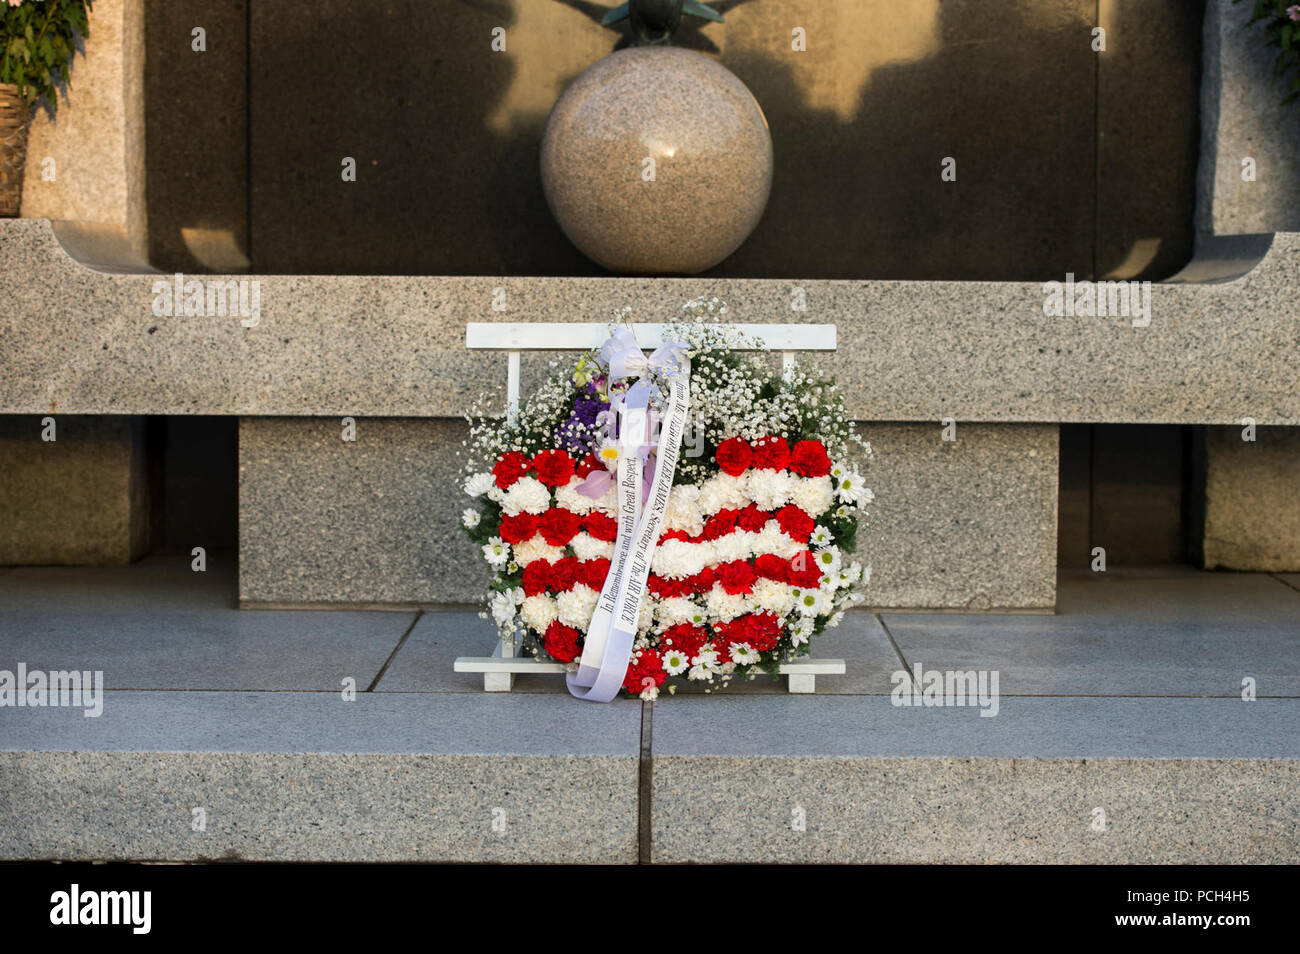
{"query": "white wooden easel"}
(499, 669)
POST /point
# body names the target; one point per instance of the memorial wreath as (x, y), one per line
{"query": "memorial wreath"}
(688, 514)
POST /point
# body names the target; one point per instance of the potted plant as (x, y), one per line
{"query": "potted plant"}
(1282, 21)
(37, 40)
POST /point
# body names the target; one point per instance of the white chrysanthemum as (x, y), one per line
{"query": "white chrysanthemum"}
(771, 596)
(476, 485)
(810, 602)
(848, 575)
(469, 517)
(650, 693)
(674, 610)
(570, 498)
(743, 654)
(821, 536)
(850, 489)
(675, 662)
(722, 491)
(536, 548)
(839, 469)
(835, 620)
(527, 495)
(772, 539)
(771, 489)
(828, 559)
(813, 495)
(683, 511)
(497, 552)
(802, 630)
(737, 545)
(496, 495)
(575, 606)
(843, 511)
(723, 605)
(705, 665)
(503, 608)
(676, 559)
(539, 612)
(587, 547)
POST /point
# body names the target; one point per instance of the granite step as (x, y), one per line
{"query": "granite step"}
(1120, 734)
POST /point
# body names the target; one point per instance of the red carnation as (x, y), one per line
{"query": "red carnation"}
(700, 582)
(737, 577)
(674, 535)
(588, 464)
(564, 573)
(518, 528)
(719, 525)
(751, 518)
(664, 588)
(510, 468)
(561, 642)
(558, 526)
(537, 577)
(593, 573)
(601, 526)
(773, 567)
(554, 467)
(809, 459)
(685, 639)
(795, 523)
(762, 631)
(805, 572)
(734, 456)
(772, 453)
(645, 672)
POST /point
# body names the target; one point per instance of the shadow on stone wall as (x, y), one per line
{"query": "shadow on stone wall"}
(446, 134)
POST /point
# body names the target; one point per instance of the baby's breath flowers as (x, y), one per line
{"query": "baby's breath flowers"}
(755, 556)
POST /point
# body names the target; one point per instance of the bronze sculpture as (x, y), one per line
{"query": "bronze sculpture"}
(655, 21)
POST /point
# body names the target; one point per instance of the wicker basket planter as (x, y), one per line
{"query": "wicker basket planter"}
(15, 111)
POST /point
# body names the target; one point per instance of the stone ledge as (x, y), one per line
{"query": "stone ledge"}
(394, 346)
(1179, 781)
(309, 777)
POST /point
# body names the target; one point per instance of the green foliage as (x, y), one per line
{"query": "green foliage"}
(1284, 33)
(37, 41)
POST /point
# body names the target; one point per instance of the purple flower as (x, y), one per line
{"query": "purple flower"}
(576, 434)
(1293, 11)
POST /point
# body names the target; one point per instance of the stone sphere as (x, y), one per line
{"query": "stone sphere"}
(711, 172)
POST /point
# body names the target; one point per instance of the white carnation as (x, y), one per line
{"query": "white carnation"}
(503, 608)
(721, 492)
(674, 610)
(570, 498)
(771, 596)
(813, 495)
(737, 545)
(677, 559)
(526, 495)
(539, 612)
(771, 489)
(683, 511)
(646, 614)
(587, 547)
(772, 539)
(476, 485)
(536, 548)
(575, 606)
(723, 605)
